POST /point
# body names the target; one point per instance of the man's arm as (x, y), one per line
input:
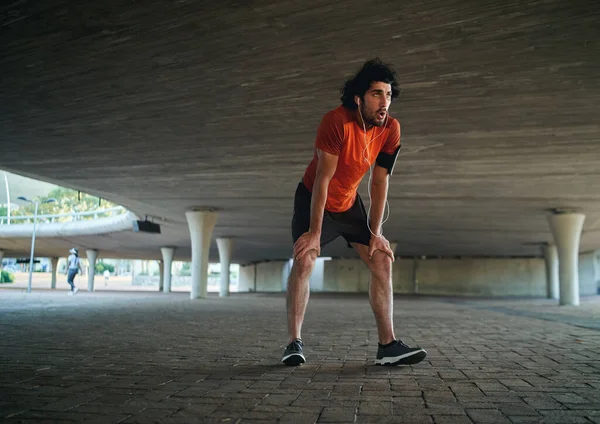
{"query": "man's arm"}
(326, 166)
(311, 240)
(379, 191)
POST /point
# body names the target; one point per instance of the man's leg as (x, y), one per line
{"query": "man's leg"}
(390, 351)
(380, 291)
(298, 291)
(297, 299)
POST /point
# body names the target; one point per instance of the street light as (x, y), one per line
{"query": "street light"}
(36, 203)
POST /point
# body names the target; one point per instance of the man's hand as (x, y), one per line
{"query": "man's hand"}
(307, 241)
(380, 243)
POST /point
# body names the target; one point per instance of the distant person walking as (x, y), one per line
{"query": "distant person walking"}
(106, 277)
(73, 267)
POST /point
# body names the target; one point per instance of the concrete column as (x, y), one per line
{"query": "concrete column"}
(92, 255)
(161, 275)
(167, 254)
(201, 224)
(225, 249)
(566, 228)
(1, 257)
(54, 262)
(551, 257)
(597, 270)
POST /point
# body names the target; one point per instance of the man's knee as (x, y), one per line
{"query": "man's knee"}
(381, 265)
(306, 263)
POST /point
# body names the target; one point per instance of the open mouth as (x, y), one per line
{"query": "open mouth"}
(381, 115)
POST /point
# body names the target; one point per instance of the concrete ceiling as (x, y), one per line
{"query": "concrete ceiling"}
(168, 106)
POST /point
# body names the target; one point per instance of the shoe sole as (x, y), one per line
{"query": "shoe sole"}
(293, 360)
(408, 359)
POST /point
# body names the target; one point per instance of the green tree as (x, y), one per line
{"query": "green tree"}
(186, 269)
(67, 201)
(101, 266)
(6, 277)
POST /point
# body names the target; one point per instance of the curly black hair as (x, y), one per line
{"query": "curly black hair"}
(372, 71)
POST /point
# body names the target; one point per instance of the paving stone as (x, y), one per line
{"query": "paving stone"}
(406, 419)
(547, 420)
(337, 415)
(569, 398)
(299, 418)
(539, 402)
(571, 413)
(517, 409)
(452, 419)
(487, 416)
(445, 408)
(375, 408)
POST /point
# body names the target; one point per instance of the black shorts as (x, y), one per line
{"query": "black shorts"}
(351, 224)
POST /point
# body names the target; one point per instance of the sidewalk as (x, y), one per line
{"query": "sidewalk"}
(134, 357)
(43, 281)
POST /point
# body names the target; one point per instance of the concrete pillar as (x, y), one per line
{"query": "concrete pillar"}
(161, 275)
(551, 258)
(201, 225)
(1, 257)
(597, 270)
(225, 249)
(54, 262)
(92, 255)
(566, 228)
(167, 255)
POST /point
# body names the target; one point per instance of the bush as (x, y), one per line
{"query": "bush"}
(7, 277)
(186, 270)
(101, 266)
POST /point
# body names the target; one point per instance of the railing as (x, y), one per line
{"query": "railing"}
(64, 217)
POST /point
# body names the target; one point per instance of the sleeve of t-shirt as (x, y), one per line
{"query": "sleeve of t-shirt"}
(393, 141)
(330, 135)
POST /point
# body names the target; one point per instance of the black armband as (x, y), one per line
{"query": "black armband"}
(388, 160)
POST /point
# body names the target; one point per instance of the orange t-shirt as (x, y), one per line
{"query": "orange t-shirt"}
(341, 134)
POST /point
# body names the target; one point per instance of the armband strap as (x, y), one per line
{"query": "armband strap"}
(388, 160)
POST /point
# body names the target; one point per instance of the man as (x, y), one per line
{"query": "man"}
(350, 139)
(73, 267)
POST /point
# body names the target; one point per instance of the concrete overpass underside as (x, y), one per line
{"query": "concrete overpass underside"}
(165, 107)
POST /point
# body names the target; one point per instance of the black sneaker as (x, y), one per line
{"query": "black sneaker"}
(293, 355)
(397, 353)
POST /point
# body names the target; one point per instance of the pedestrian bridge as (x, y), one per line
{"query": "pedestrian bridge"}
(56, 234)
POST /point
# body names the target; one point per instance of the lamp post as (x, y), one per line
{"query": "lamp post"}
(36, 203)
(7, 196)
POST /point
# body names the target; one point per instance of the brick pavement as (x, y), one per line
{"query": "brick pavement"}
(149, 357)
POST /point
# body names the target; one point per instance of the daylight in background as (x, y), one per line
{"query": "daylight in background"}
(124, 274)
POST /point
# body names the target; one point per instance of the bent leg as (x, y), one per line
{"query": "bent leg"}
(380, 291)
(298, 293)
